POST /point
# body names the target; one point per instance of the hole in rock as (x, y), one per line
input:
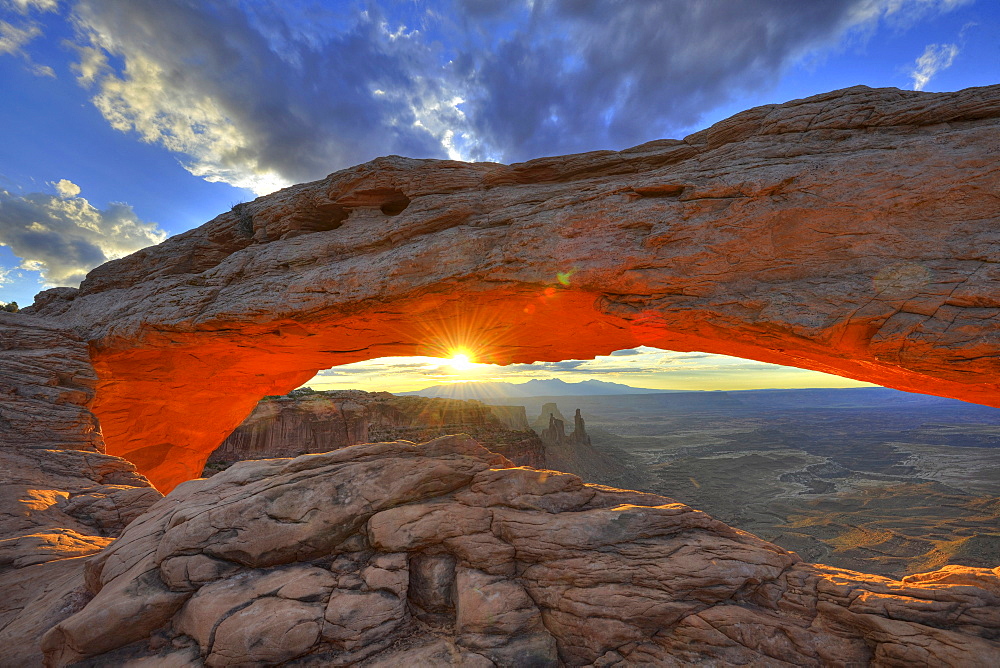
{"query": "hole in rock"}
(322, 219)
(391, 201)
(396, 206)
(661, 190)
(835, 469)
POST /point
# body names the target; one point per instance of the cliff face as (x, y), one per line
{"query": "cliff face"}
(850, 232)
(60, 496)
(47, 386)
(304, 422)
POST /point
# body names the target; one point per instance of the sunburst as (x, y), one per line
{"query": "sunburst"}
(460, 361)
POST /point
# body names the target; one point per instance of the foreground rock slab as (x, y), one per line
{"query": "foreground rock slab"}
(444, 553)
(852, 232)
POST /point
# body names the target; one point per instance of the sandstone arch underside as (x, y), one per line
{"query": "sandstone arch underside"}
(856, 233)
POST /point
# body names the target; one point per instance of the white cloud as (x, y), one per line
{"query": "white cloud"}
(41, 70)
(184, 121)
(93, 63)
(24, 6)
(268, 105)
(66, 188)
(936, 57)
(13, 38)
(65, 236)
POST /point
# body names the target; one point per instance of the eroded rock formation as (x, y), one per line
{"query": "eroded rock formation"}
(444, 554)
(60, 496)
(47, 385)
(550, 409)
(852, 232)
(555, 432)
(305, 421)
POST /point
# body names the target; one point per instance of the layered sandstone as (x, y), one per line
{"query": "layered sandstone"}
(852, 232)
(60, 496)
(47, 385)
(393, 554)
(306, 421)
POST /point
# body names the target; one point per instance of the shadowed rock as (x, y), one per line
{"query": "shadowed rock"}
(60, 495)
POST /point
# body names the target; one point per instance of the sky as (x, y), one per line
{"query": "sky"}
(642, 367)
(123, 123)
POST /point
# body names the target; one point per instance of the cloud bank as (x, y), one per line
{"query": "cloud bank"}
(264, 94)
(64, 236)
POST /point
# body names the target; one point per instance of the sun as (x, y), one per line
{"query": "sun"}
(460, 361)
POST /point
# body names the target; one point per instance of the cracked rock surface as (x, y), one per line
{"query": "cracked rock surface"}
(444, 553)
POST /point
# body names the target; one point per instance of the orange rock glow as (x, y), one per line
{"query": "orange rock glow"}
(851, 233)
(167, 408)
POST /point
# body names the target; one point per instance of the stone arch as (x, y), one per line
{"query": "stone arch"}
(852, 233)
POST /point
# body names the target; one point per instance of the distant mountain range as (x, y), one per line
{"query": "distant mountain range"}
(549, 387)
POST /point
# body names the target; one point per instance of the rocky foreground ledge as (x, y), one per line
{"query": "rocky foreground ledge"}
(444, 553)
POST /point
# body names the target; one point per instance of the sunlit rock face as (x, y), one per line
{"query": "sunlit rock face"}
(853, 232)
(446, 554)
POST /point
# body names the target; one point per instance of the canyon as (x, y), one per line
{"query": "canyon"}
(305, 421)
(852, 232)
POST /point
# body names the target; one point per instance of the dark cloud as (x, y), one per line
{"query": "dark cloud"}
(626, 353)
(541, 367)
(565, 365)
(262, 98)
(263, 94)
(619, 370)
(579, 75)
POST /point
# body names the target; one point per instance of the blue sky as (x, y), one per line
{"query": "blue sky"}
(125, 122)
